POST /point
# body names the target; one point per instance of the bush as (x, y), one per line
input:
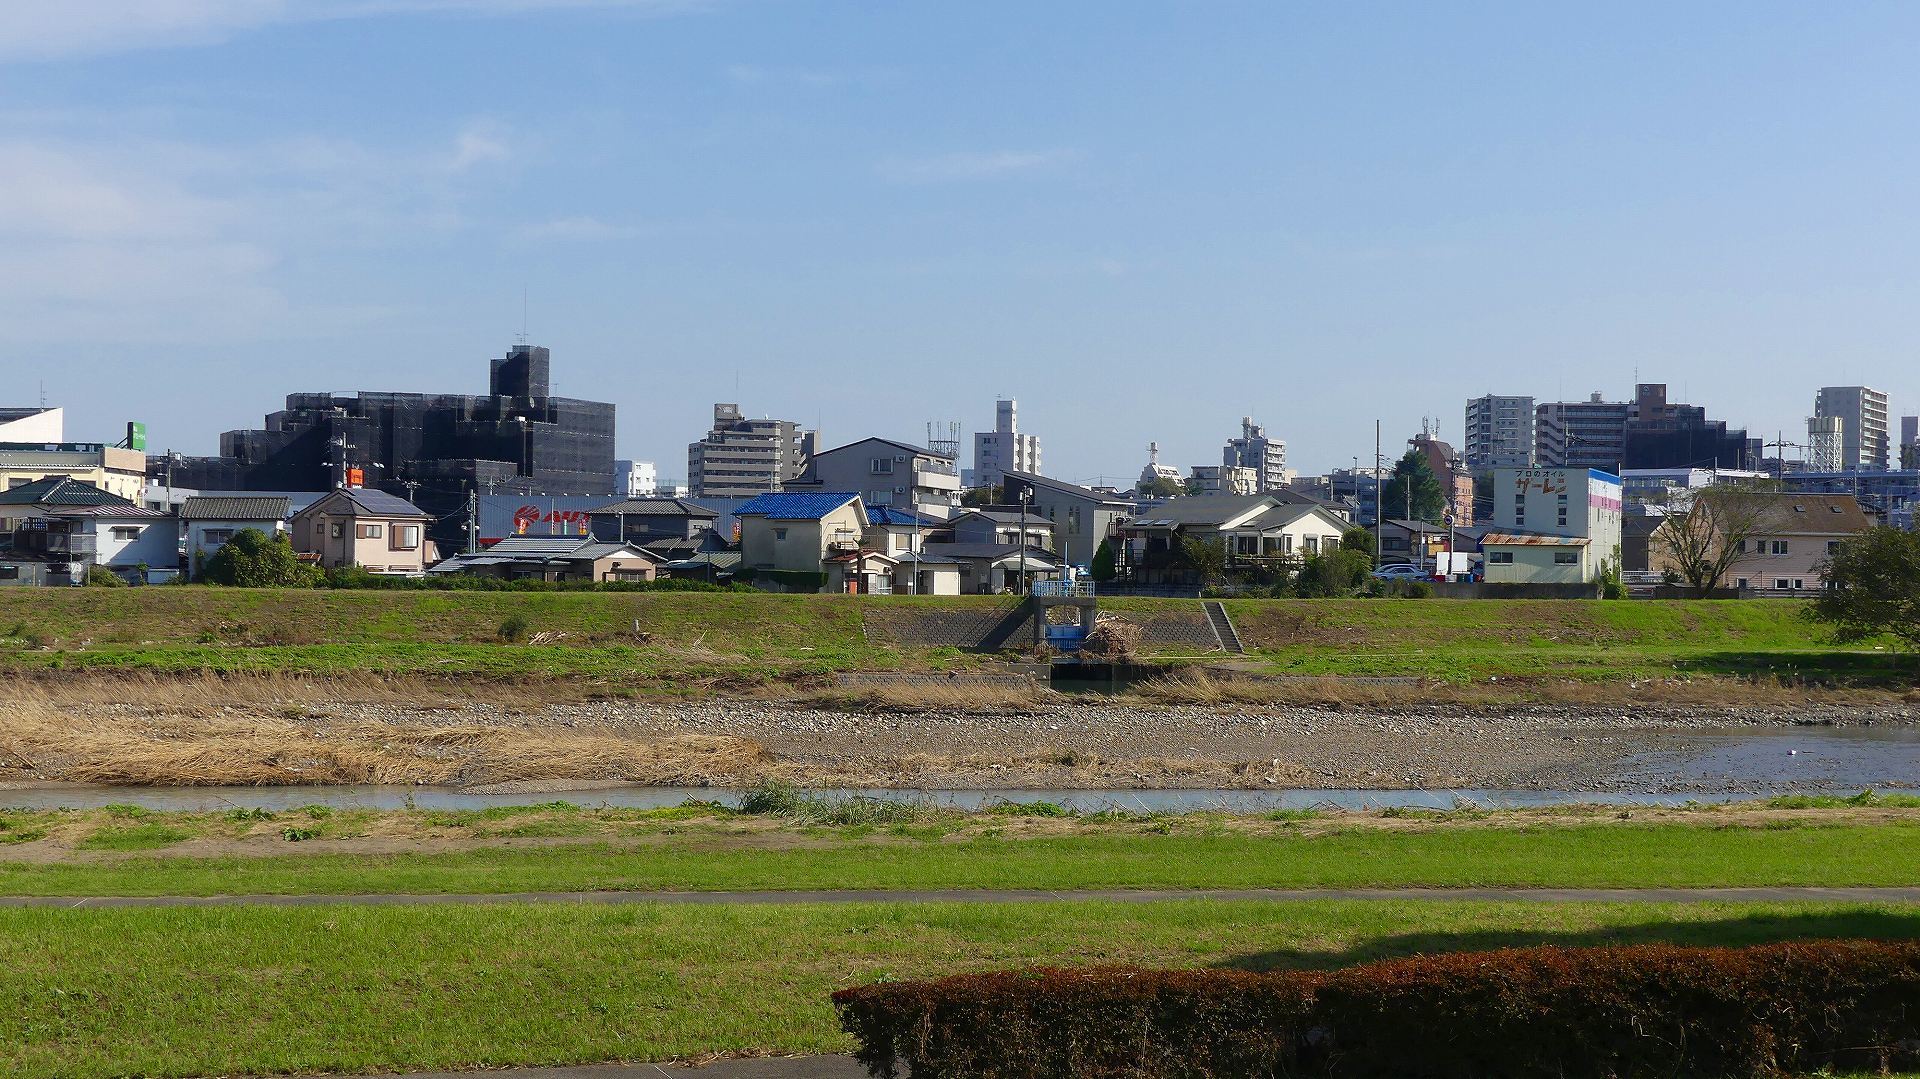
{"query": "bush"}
(1605, 1013)
(253, 559)
(102, 577)
(513, 628)
(357, 577)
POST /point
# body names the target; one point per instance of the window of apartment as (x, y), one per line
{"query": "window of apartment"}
(9, 573)
(1780, 584)
(1500, 558)
(369, 531)
(1566, 558)
(405, 538)
(339, 529)
(881, 466)
(779, 533)
(1740, 546)
(1779, 546)
(1799, 582)
(1073, 520)
(124, 533)
(217, 535)
(1741, 583)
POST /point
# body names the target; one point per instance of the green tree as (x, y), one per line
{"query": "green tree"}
(252, 559)
(1333, 573)
(1103, 567)
(1163, 487)
(1413, 474)
(1357, 539)
(1872, 587)
(980, 496)
(1206, 557)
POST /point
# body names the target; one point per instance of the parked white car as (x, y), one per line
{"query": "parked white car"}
(1400, 571)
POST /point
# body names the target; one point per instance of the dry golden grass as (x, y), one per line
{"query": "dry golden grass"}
(1214, 687)
(39, 738)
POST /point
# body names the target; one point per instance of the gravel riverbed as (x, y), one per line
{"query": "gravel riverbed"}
(1087, 745)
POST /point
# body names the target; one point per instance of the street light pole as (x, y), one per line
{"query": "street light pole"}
(1025, 494)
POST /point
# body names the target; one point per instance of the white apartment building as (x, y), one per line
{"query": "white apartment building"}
(1003, 449)
(1499, 433)
(636, 479)
(1267, 457)
(1862, 411)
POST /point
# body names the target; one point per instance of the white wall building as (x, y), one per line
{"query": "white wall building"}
(1003, 449)
(33, 425)
(1552, 525)
(636, 479)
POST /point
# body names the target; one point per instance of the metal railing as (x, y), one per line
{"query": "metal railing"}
(1072, 589)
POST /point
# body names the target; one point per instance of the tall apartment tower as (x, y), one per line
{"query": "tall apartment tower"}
(1253, 449)
(740, 457)
(1910, 442)
(1581, 434)
(1499, 433)
(1004, 449)
(1862, 412)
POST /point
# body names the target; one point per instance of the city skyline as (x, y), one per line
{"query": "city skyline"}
(1315, 218)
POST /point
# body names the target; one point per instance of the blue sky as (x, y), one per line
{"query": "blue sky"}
(1143, 219)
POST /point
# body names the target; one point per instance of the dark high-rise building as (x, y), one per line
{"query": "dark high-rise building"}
(433, 448)
(1662, 435)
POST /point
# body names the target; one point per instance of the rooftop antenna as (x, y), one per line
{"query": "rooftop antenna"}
(523, 312)
(43, 393)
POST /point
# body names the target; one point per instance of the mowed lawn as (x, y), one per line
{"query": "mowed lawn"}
(670, 638)
(246, 990)
(1779, 850)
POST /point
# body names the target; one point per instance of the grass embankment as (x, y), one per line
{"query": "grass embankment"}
(676, 642)
(252, 990)
(703, 848)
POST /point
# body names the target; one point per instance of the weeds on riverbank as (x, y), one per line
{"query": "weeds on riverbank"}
(39, 739)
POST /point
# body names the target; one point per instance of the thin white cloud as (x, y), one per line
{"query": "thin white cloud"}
(947, 168)
(58, 29)
(576, 230)
(131, 239)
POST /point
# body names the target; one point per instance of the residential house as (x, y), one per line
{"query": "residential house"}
(903, 536)
(786, 539)
(366, 527)
(1081, 517)
(643, 520)
(56, 531)
(1552, 525)
(555, 558)
(1794, 536)
(998, 524)
(209, 521)
(988, 569)
(1411, 541)
(887, 473)
(1254, 530)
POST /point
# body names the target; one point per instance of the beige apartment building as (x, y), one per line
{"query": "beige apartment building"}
(114, 470)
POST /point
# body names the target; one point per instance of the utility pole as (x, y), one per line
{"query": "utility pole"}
(1379, 510)
(1025, 493)
(473, 518)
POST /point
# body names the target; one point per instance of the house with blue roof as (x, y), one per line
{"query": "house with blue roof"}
(787, 538)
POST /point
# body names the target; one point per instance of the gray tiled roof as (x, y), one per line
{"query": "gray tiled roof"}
(657, 507)
(235, 508)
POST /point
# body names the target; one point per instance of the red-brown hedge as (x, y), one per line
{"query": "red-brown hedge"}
(1567, 1013)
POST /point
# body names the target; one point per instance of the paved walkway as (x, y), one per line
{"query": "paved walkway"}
(774, 1068)
(963, 895)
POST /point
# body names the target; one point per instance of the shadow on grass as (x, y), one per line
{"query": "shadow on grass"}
(1836, 668)
(1862, 922)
